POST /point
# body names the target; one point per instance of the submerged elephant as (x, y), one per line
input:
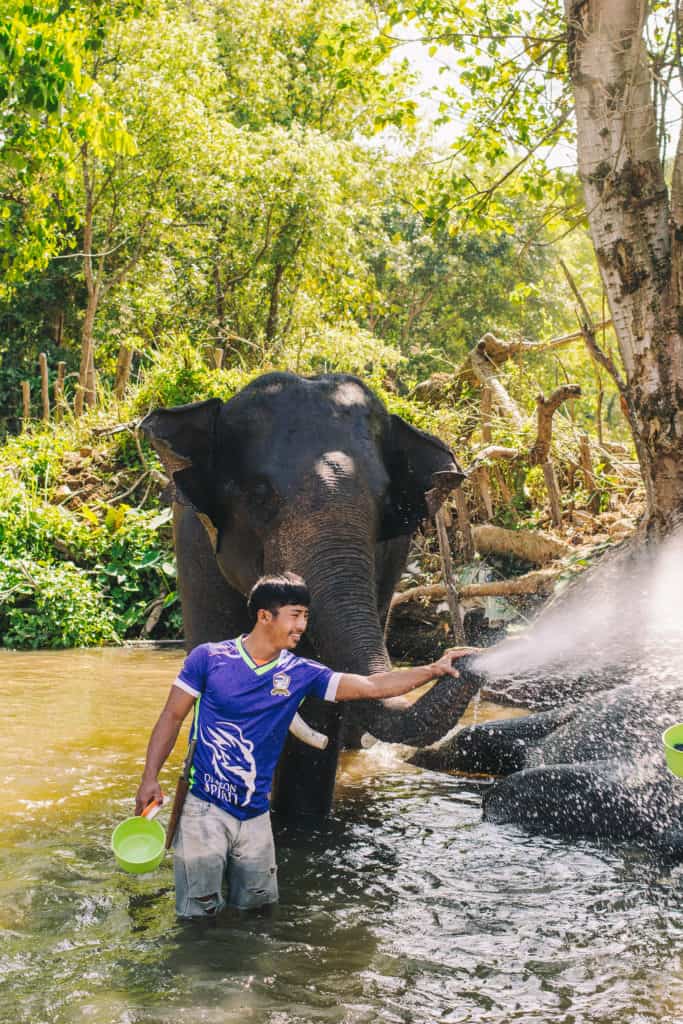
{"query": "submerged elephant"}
(595, 769)
(314, 476)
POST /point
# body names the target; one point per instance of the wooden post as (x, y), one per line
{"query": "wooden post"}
(218, 356)
(44, 386)
(464, 524)
(449, 578)
(505, 492)
(540, 453)
(553, 489)
(484, 484)
(123, 365)
(26, 403)
(486, 406)
(589, 481)
(482, 476)
(59, 391)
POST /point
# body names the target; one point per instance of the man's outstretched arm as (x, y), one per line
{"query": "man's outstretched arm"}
(161, 743)
(398, 681)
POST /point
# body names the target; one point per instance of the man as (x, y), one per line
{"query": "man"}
(245, 693)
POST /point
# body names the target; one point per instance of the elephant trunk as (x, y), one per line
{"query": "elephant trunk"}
(432, 715)
(344, 626)
(347, 636)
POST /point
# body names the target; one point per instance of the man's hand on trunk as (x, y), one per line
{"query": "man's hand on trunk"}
(445, 667)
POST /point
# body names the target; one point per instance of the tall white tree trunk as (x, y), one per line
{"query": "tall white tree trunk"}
(637, 232)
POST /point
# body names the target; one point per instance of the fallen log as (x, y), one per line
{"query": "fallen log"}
(485, 370)
(527, 545)
(540, 581)
(442, 387)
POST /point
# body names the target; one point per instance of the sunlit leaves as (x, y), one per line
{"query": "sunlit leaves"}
(48, 108)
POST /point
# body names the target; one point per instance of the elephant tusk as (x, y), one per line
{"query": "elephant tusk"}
(306, 734)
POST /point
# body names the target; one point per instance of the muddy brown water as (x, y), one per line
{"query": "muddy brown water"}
(404, 908)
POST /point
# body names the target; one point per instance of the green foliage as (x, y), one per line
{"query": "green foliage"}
(48, 605)
(111, 562)
(178, 373)
(264, 178)
(50, 108)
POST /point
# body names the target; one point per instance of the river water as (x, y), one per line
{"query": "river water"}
(404, 908)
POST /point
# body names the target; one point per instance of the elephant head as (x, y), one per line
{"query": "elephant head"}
(314, 476)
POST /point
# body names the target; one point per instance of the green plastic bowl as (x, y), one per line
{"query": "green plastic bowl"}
(674, 758)
(139, 845)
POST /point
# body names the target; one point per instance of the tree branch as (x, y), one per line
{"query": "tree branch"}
(589, 334)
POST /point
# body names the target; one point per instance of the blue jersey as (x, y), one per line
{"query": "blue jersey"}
(242, 715)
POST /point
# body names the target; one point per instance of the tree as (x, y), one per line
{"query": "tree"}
(158, 72)
(519, 67)
(636, 224)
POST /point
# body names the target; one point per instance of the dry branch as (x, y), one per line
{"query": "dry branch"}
(545, 409)
(441, 387)
(540, 452)
(588, 332)
(494, 453)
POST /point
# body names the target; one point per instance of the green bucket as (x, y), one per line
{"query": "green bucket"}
(139, 844)
(674, 758)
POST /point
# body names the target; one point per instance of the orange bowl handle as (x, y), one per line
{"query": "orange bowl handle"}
(152, 808)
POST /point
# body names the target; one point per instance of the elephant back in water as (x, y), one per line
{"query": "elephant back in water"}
(314, 476)
(593, 769)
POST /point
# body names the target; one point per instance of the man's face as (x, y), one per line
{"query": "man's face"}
(287, 625)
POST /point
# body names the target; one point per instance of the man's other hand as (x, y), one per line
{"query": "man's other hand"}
(444, 666)
(148, 791)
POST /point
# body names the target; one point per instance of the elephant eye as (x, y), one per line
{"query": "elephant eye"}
(263, 499)
(260, 489)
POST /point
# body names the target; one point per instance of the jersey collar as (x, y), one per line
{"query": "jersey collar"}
(258, 669)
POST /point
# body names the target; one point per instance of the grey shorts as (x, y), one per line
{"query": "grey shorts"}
(211, 844)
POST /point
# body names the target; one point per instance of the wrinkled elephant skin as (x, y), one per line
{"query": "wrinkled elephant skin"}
(595, 770)
(310, 475)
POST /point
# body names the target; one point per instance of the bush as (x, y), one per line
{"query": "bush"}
(43, 604)
(122, 557)
(178, 373)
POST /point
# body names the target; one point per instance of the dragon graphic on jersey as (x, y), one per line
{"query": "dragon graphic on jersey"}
(231, 755)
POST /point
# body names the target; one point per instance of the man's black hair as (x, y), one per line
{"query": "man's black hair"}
(272, 592)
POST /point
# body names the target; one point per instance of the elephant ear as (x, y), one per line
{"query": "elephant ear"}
(422, 472)
(184, 438)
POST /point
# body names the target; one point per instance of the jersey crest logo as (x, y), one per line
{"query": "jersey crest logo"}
(281, 683)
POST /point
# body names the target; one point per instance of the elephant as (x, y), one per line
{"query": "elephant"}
(314, 476)
(594, 769)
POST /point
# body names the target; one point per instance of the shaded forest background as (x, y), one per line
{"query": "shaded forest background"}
(192, 194)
